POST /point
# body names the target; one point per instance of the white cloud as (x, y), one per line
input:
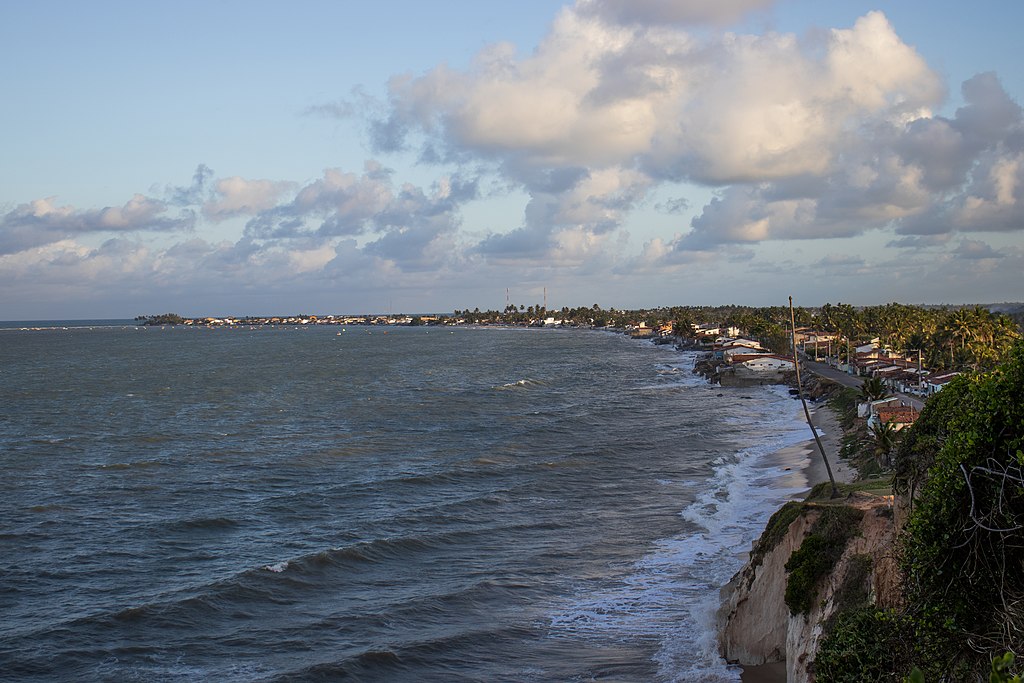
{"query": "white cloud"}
(797, 131)
(731, 108)
(236, 196)
(42, 221)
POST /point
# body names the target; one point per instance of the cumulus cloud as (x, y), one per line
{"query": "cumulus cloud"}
(601, 112)
(43, 221)
(406, 225)
(236, 196)
(341, 201)
(731, 108)
(928, 176)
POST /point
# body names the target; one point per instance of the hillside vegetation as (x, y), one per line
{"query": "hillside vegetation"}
(961, 552)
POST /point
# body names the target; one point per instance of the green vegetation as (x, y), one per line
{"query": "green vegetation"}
(817, 555)
(844, 403)
(776, 530)
(873, 389)
(855, 590)
(884, 437)
(865, 645)
(162, 319)
(945, 337)
(962, 550)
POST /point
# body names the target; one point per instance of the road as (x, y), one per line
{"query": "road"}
(853, 381)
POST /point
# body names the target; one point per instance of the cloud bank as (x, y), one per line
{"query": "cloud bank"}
(826, 136)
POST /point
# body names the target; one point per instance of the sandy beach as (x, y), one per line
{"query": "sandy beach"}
(830, 432)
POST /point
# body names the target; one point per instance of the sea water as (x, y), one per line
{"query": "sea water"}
(373, 504)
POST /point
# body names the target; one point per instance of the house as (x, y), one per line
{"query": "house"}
(870, 347)
(727, 342)
(640, 331)
(714, 330)
(898, 416)
(869, 409)
(764, 363)
(808, 338)
(729, 353)
(934, 383)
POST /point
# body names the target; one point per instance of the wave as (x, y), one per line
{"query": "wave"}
(406, 661)
(672, 594)
(520, 384)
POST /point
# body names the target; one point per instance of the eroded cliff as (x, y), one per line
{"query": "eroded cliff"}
(757, 625)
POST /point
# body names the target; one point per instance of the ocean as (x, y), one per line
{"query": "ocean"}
(373, 504)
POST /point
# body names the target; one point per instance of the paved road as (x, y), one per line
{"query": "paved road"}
(854, 381)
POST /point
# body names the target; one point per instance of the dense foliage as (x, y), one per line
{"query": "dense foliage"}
(818, 554)
(775, 531)
(946, 337)
(161, 319)
(963, 547)
(866, 645)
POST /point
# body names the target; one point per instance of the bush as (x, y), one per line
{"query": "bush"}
(964, 544)
(818, 555)
(865, 645)
(774, 532)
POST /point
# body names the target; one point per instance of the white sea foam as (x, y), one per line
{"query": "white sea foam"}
(672, 594)
(277, 568)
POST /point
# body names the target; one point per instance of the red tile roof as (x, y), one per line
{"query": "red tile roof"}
(897, 414)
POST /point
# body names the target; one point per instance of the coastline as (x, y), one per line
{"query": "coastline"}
(826, 423)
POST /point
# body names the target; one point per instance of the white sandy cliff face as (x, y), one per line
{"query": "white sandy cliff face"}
(755, 624)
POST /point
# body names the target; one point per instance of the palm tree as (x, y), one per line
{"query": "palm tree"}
(961, 326)
(873, 389)
(884, 437)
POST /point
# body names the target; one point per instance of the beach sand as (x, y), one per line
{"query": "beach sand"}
(830, 432)
(826, 422)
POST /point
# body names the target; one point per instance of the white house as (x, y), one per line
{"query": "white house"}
(934, 383)
(730, 352)
(765, 363)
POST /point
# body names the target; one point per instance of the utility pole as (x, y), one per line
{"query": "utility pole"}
(919, 371)
(803, 401)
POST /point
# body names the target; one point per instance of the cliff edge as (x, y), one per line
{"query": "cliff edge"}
(814, 559)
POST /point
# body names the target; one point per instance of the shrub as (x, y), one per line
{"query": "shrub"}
(865, 645)
(818, 555)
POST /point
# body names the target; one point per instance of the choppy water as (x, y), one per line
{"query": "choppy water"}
(415, 505)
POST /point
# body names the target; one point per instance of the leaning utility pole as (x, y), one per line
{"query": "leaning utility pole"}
(807, 413)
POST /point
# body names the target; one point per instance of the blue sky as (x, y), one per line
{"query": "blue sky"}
(263, 157)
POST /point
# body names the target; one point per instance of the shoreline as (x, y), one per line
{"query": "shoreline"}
(826, 423)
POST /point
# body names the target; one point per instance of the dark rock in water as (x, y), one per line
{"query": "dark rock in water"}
(794, 392)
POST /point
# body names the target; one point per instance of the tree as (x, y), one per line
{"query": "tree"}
(964, 544)
(873, 389)
(884, 437)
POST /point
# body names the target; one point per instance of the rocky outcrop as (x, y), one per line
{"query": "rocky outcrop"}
(755, 624)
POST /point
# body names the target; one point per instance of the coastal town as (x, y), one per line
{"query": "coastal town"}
(911, 350)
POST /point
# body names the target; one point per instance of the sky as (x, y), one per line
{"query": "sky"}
(257, 158)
